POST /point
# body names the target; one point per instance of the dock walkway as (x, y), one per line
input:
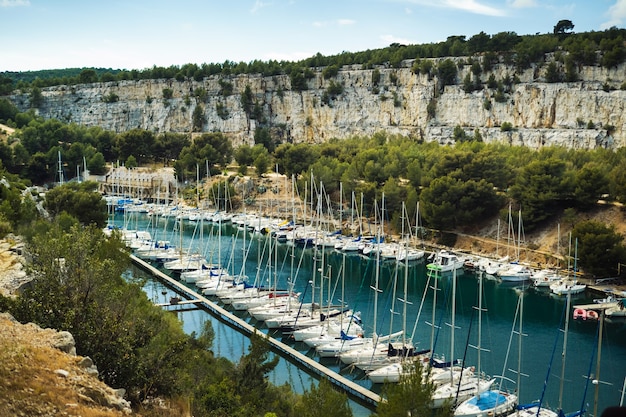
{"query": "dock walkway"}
(351, 388)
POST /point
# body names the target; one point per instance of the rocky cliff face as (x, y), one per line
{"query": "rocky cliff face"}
(573, 115)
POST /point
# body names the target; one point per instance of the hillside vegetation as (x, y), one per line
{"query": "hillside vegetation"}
(605, 48)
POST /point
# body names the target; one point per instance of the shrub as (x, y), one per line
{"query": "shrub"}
(111, 98)
(168, 93)
(506, 127)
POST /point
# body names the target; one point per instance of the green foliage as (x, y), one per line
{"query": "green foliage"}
(88, 76)
(506, 127)
(137, 142)
(80, 200)
(298, 77)
(168, 93)
(459, 134)
(96, 164)
(131, 162)
(221, 110)
(212, 147)
(553, 74)
(510, 47)
(600, 248)
(8, 111)
(197, 118)
(16, 208)
(590, 183)
(247, 100)
(263, 136)
(111, 98)
(201, 94)
(244, 158)
(446, 72)
(563, 26)
(410, 397)
(330, 71)
(323, 401)
(295, 159)
(375, 77)
(36, 97)
(448, 202)
(431, 108)
(262, 162)
(226, 88)
(468, 85)
(540, 188)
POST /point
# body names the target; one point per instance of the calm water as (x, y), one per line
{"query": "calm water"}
(541, 322)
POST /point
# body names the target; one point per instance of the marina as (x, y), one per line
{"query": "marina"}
(543, 317)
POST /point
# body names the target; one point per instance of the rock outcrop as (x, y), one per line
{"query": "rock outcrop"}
(42, 376)
(574, 115)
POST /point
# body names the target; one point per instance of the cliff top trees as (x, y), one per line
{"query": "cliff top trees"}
(563, 26)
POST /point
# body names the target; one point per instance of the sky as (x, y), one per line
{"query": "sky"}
(139, 34)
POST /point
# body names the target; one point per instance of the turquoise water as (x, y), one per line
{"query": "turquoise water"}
(542, 316)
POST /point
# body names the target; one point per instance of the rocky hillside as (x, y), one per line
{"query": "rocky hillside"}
(42, 376)
(574, 115)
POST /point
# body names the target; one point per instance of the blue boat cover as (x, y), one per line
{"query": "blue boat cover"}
(488, 400)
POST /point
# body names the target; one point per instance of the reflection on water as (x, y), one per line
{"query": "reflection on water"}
(353, 275)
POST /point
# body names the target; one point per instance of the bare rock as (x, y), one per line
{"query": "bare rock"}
(64, 341)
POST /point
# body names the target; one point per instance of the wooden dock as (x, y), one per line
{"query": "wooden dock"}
(353, 389)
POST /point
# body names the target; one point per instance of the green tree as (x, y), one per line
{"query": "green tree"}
(197, 119)
(87, 76)
(137, 142)
(295, 159)
(323, 401)
(411, 396)
(563, 26)
(80, 200)
(448, 202)
(168, 93)
(262, 162)
(590, 183)
(96, 164)
(131, 162)
(600, 248)
(244, 158)
(36, 97)
(263, 136)
(247, 100)
(552, 73)
(447, 71)
(540, 187)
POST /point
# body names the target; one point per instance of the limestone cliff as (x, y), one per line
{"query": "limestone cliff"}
(540, 113)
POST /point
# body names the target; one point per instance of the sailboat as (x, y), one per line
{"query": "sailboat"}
(515, 272)
(491, 402)
(569, 285)
(462, 383)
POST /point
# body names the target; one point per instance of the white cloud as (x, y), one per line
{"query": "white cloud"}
(616, 14)
(345, 22)
(13, 3)
(258, 5)
(522, 4)
(389, 39)
(407, 10)
(471, 6)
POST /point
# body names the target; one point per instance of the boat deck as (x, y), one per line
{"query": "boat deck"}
(351, 388)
